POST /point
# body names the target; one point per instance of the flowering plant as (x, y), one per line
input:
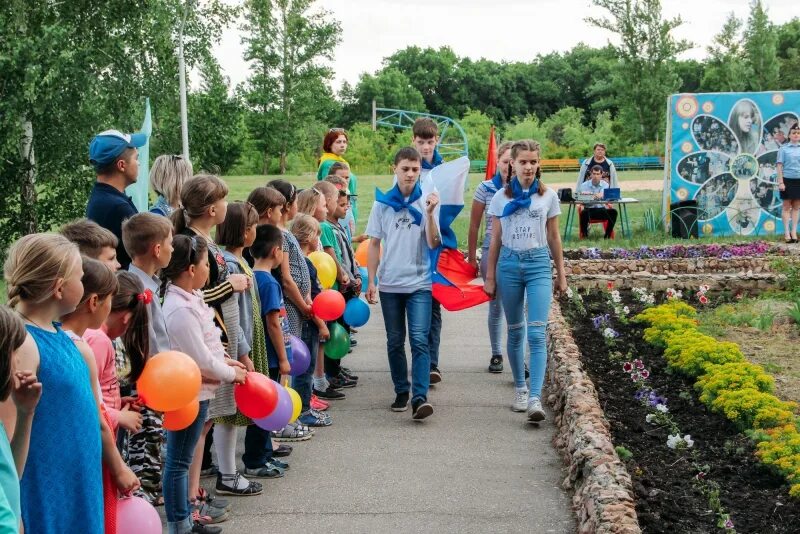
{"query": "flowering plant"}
(673, 294)
(642, 295)
(675, 441)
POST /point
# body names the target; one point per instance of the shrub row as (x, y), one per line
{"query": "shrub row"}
(729, 385)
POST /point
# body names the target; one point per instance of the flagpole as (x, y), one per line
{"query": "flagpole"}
(182, 82)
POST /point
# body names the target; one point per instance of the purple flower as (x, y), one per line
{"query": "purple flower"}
(642, 394)
(654, 399)
(728, 524)
(726, 255)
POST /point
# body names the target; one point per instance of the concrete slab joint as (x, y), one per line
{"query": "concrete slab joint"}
(603, 497)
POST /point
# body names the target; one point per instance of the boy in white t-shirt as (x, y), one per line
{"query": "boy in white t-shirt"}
(407, 222)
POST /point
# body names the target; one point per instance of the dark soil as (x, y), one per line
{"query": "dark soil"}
(667, 498)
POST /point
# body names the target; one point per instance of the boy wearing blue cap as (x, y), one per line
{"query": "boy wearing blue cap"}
(116, 162)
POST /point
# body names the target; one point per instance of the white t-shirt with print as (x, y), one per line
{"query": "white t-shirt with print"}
(405, 266)
(526, 228)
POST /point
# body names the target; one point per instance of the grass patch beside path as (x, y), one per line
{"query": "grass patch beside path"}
(242, 185)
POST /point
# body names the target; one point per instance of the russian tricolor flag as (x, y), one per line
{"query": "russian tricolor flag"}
(452, 275)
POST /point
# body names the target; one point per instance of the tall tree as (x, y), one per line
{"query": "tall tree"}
(645, 75)
(285, 42)
(390, 88)
(65, 76)
(760, 48)
(725, 68)
(789, 54)
(431, 72)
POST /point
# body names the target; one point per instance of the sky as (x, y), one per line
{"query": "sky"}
(502, 30)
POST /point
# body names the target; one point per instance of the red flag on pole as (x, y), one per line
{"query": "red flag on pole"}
(491, 156)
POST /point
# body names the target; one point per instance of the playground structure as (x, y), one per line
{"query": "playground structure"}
(452, 138)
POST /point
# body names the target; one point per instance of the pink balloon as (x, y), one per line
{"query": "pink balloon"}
(137, 516)
(301, 357)
(282, 414)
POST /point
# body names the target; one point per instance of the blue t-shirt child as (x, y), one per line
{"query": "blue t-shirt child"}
(271, 296)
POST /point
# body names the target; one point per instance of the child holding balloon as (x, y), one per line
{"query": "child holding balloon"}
(307, 231)
(296, 284)
(43, 281)
(267, 251)
(147, 238)
(237, 232)
(191, 327)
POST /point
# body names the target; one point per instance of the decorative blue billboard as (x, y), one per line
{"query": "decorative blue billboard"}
(721, 151)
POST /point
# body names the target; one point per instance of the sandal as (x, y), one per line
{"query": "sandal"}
(213, 501)
(283, 450)
(253, 488)
(292, 433)
(268, 470)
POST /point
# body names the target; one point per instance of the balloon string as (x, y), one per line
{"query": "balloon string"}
(285, 381)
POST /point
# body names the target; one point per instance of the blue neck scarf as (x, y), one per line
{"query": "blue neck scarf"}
(521, 198)
(497, 181)
(436, 160)
(395, 200)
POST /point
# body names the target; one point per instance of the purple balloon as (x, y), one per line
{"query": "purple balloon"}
(280, 417)
(301, 357)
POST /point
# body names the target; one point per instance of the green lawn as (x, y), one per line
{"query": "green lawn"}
(242, 185)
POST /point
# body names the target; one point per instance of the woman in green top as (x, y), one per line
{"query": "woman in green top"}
(333, 148)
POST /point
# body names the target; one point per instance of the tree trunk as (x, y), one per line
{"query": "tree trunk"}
(28, 184)
(283, 160)
(265, 164)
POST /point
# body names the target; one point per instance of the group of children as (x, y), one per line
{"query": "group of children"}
(79, 330)
(91, 328)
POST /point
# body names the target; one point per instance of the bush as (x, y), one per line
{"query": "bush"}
(693, 353)
(730, 385)
(732, 376)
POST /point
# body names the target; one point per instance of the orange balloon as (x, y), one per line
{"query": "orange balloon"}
(169, 381)
(361, 252)
(183, 417)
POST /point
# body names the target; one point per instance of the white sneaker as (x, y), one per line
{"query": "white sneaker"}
(535, 410)
(520, 400)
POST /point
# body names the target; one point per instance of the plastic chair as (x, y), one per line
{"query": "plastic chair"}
(604, 222)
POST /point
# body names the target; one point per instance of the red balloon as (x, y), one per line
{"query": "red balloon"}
(257, 397)
(328, 305)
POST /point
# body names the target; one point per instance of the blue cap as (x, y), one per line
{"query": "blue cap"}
(107, 146)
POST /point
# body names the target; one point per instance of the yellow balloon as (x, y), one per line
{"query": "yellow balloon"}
(326, 268)
(297, 404)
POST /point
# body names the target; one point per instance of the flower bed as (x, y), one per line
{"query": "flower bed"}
(692, 469)
(713, 250)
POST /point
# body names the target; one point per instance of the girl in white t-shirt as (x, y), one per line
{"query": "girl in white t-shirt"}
(524, 238)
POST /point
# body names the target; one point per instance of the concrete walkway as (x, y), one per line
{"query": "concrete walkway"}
(474, 466)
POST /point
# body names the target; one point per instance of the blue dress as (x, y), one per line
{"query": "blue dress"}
(62, 485)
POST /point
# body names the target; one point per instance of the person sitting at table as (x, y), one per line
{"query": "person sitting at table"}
(595, 186)
(598, 158)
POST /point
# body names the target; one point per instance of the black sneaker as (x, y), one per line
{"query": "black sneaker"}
(421, 409)
(436, 375)
(341, 382)
(199, 528)
(400, 403)
(496, 364)
(329, 394)
(349, 374)
(353, 342)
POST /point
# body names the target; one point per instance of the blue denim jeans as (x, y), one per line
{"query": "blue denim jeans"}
(495, 319)
(435, 333)
(520, 274)
(302, 383)
(180, 450)
(416, 307)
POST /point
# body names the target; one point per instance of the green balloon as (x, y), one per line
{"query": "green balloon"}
(339, 343)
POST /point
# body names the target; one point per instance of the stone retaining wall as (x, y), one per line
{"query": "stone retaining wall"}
(749, 283)
(603, 499)
(753, 265)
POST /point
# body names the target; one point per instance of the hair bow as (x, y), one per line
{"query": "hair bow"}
(146, 296)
